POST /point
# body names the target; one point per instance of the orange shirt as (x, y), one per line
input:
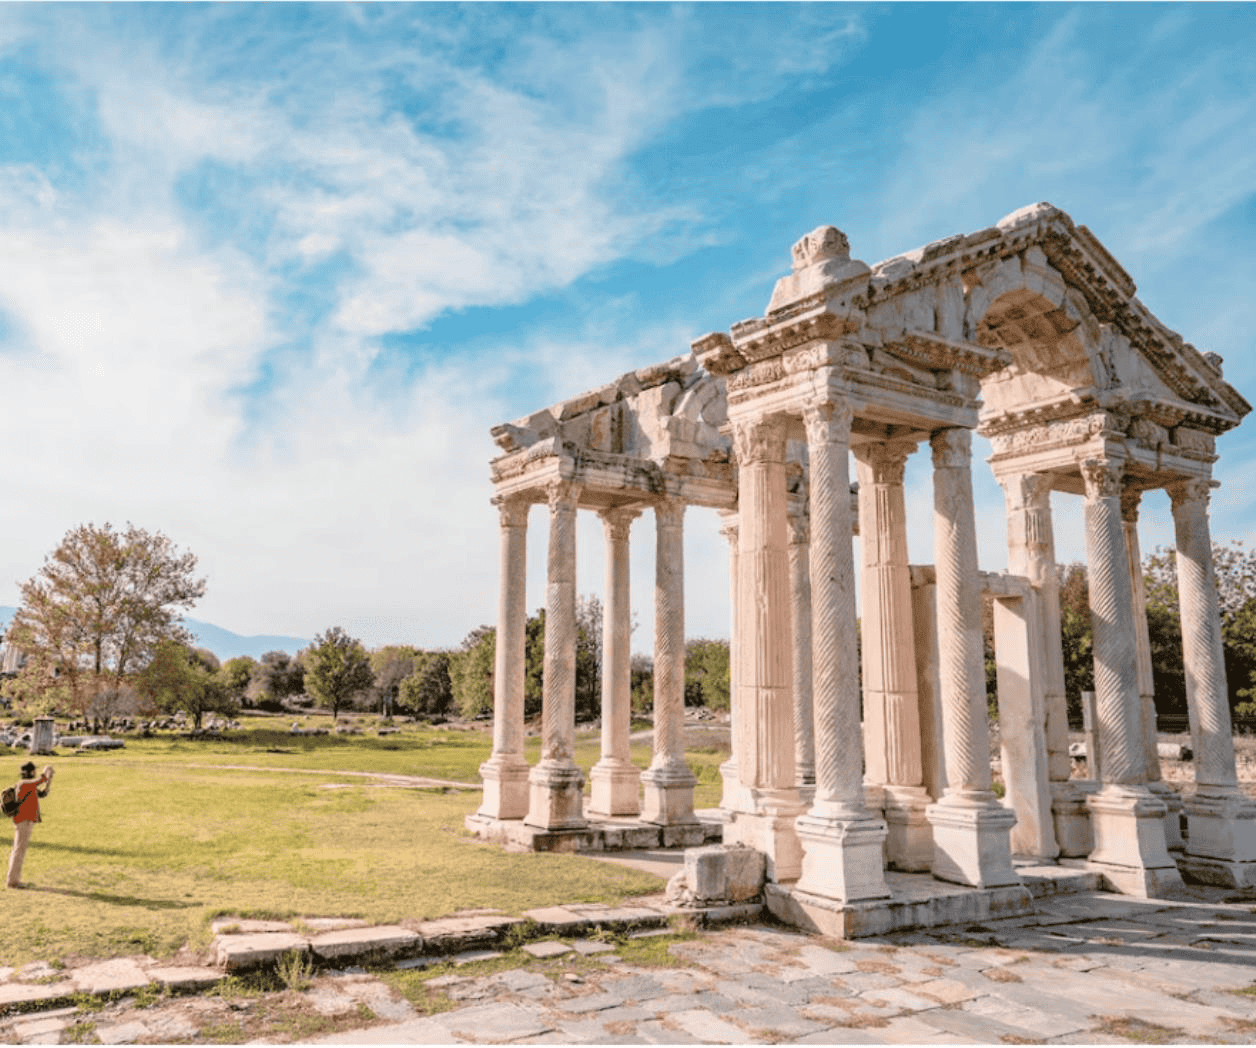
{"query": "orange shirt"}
(28, 800)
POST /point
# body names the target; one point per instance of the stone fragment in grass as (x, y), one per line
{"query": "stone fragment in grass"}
(121, 1033)
(234, 952)
(334, 924)
(547, 949)
(588, 947)
(119, 975)
(20, 993)
(464, 932)
(471, 956)
(186, 978)
(246, 926)
(383, 942)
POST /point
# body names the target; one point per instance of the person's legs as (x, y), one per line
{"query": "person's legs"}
(21, 838)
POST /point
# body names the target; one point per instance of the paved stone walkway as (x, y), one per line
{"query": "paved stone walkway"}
(1087, 968)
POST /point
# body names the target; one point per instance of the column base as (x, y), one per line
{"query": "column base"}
(556, 797)
(909, 844)
(668, 795)
(1221, 842)
(736, 797)
(842, 854)
(615, 788)
(769, 828)
(505, 781)
(971, 843)
(1130, 851)
(1073, 832)
(1172, 801)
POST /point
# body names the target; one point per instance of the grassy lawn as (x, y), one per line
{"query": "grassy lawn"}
(140, 847)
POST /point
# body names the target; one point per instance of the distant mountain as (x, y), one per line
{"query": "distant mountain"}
(222, 642)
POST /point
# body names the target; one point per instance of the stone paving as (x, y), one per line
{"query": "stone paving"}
(1086, 968)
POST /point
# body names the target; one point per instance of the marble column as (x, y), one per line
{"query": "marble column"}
(1130, 498)
(800, 596)
(763, 709)
(891, 712)
(733, 798)
(1220, 818)
(615, 783)
(1031, 553)
(1127, 818)
(557, 800)
(505, 773)
(668, 783)
(842, 841)
(970, 827)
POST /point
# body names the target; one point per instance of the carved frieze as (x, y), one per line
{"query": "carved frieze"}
(757, 374)
(1051, 433)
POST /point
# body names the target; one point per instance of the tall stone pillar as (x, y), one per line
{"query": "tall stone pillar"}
(800, 596)
(842, 841)
(505, 773)
(890, 701)
(615, 781)
(1031, 552)
(970, 826)
(1127, 819)
(1130, 498)
(557, 801)
(763, 709)
(668, 781)
(733, 798)
(1221, 820)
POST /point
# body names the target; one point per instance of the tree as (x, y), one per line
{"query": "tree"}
(237, 674)
(181, 678)
(391, 665)
(429, 689)
(337, 669)
(98, 609)
(1075, 637)
(471, 672)
(641, 683)
(278, 676)
(707, 677)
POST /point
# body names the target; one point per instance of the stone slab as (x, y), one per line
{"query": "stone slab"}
(25, 993)
(380, 942)
(494, 1023)
(237, 952)
(709, 1028)
(119, 975)
(185, 978)
(547, 949)
(416, 1031)
(464, 931)
(121, 1033)
(246, 926)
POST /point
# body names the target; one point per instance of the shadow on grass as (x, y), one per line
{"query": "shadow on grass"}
(81, 849)
(119, 900)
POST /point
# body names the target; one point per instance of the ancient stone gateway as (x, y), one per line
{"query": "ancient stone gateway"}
(1027, 332)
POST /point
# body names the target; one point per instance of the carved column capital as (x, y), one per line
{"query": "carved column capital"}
(1102, 478)
(669, 513)
(512, 512)
(886, 461)
(1131, 498)
(952, 448)
(1195, 493)
(828, 422)
(1027, 490)
(759, 440)
(562, 494)
(617, 521)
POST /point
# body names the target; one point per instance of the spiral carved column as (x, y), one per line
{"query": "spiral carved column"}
(668, 781)
(1130, 498)
(1127, 818)
(800, 596)
(556, 800)
(505, 773)
(970, 826)
(763, 712)
(614, 780)
(1221, 820)
(890, 699)
(842, 841)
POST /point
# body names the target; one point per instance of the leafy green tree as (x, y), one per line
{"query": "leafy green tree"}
(1076, 637)
(641, 683)
(429, 691)
(391, 665)
(278, 676)
(182, 678)
(98, 609)
(337, 669)
(707, 677)
(237, 674)
(471, 672)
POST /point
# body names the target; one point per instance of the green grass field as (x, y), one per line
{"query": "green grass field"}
(140, 847)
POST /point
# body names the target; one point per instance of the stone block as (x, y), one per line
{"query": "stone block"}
(119, 975)
(185, 978)
(237, 952)
(383, 942)
(547, 949)
(464, 932)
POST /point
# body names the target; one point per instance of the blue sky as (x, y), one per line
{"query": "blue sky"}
(269, 273)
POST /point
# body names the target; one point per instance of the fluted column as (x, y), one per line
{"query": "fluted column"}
(556, 800)
(1221, 820)
(842, 841)
(891, 714)
(800, 596)
(505, 773)
(763, 709)
(1128, 820)
(1130, 498)
(1033, 726)
(970, 826)
(668, 782)
(614, 780)
(733, 797)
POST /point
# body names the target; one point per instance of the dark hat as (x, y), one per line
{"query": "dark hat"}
(28, 770)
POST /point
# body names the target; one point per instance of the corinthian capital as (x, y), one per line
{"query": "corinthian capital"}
(828, 422)
(1102, 478)
(512, 513)
(617, 522)
(562, 494)
(887, 461)
(1027, 490)
(1131, 497)
(952, 448)
(1194, 492)
(760, 440)
(669, 513)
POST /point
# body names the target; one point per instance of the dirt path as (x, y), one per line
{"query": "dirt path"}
(388, 778)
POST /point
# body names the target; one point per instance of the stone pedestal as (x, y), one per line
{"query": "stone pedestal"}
(1071, 817)
(970, 839)
(1130, 850)
(41, 735)
(770, 829)
(909, 840)
(556, 796)
(1222, 839)
(843, 853)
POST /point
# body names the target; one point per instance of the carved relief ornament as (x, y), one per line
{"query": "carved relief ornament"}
(1028, 490)
(1102, 477)
(952, 448)
(828, 422)
(1194, 492)
(887, 460)
(760, 440)
(512, 512)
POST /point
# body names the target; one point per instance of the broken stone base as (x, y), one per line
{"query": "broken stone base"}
(618, 834)
(916, 901)
(717, 875)
(1072, 818)
(770, 829)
